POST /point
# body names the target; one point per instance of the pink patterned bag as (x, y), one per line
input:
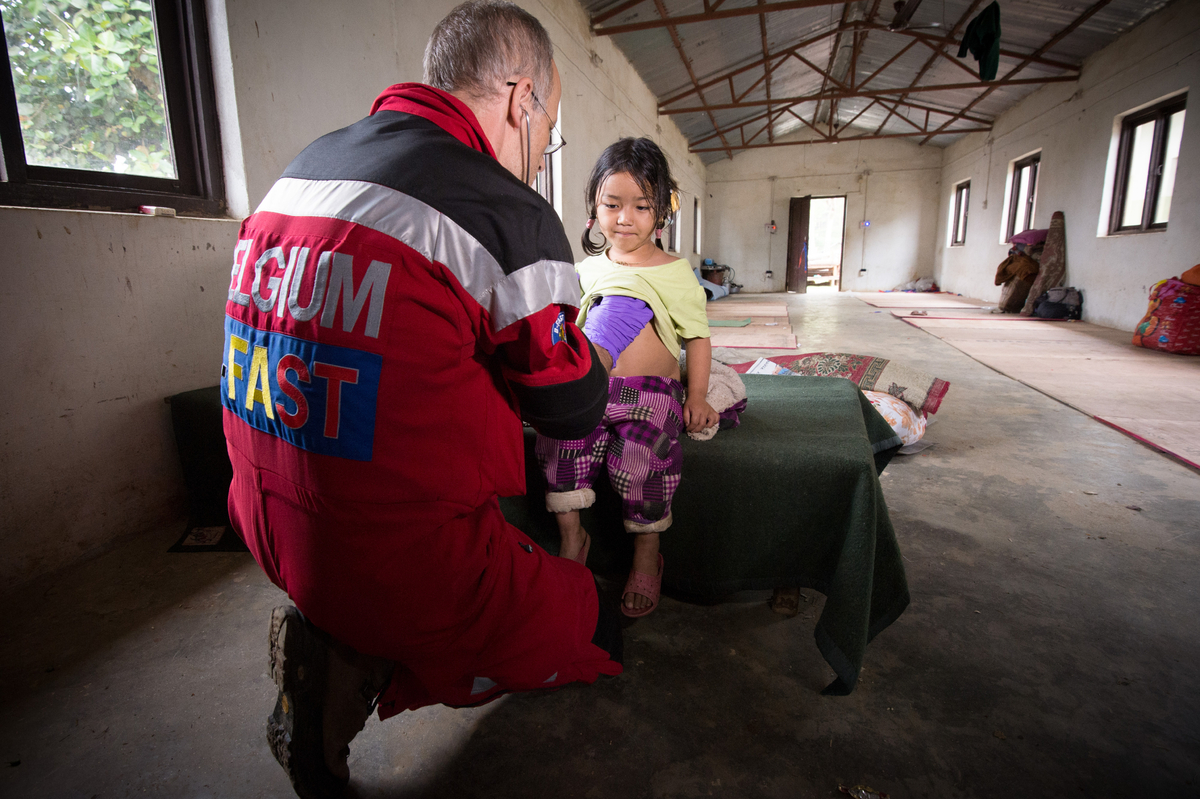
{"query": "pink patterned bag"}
(1172, 322)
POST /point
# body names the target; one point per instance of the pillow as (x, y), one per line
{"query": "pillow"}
(907, 423)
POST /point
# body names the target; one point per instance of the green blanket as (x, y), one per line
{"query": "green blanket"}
(789, 498)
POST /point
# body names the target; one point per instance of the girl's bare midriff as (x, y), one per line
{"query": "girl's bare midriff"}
(647, 355)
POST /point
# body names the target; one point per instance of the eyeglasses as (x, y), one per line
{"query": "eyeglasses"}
(557, 142)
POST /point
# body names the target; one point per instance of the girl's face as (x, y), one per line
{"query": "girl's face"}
(625, 214)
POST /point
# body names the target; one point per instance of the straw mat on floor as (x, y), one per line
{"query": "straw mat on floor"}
(917, 299)
(1149, 395)
(769, 327)
(968, 313)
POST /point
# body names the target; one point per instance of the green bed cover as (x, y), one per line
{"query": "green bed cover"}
(790, 498)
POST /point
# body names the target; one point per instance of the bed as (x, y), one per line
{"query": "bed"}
(791, 498)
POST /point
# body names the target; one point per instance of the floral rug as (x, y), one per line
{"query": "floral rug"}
(921, 390)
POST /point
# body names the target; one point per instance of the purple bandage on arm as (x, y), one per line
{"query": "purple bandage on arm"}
(613, 322)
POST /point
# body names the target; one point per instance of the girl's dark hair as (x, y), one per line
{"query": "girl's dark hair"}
(646, 164)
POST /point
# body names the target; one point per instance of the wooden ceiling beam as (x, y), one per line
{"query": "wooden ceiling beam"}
(687, 63)
(826, 140)
(906, 104)
(954, 42)
(1009, 80)
(621, 8)
(941, 87)
(750, 88)
(762, 29)
(815, 129)
(945, 56)
(833, 51)
(711, 16)
(937, 51)
(782, 55)
(896, 113)
(912, 43)
(828, 76)
(864, 110)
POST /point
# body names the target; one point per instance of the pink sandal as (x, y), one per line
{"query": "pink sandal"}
(647, 585)
(581, 557)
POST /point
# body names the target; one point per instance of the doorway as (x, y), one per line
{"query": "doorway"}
(826, 229)
(796, 277)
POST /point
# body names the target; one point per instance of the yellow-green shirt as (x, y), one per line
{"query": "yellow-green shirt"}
(671, 290)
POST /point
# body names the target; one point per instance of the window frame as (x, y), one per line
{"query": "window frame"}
(1033, 161)
(958, 238)
(672, 229)
(185, 65)
(1160, 113)
(543, 183)
(696, 242)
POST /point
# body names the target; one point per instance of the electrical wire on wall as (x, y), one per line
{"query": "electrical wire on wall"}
(987, 181)
(771, 240)
(862, 236)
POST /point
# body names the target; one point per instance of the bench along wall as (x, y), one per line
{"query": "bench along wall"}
(1072, 125)
(106, 314)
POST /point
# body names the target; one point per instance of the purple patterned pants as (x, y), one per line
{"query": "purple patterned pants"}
(638, 440)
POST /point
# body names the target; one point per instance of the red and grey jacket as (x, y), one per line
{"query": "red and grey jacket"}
(398, 303)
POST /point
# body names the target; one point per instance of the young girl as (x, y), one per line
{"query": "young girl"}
(640, 306)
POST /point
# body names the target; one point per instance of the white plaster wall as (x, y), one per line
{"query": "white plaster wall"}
(1072, 125)
(892, 183)
(604, 100)
(105, 314)
(298, 70)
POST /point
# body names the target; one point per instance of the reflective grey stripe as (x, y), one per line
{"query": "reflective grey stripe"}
(481, 684)
(507, 298)
(530, 289)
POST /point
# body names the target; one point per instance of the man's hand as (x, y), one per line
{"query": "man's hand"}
(699, 415)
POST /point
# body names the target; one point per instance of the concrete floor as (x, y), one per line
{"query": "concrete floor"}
(1050, 650)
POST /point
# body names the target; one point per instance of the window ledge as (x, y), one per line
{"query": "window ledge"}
(1119, 233)
(190, 216)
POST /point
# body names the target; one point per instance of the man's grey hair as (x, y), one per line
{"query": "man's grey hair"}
(481, 44)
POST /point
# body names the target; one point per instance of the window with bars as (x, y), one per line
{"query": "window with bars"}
(108, 104)
(962, 195)
(1147, 154)
(1023, 195)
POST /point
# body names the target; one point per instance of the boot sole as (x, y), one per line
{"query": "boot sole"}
(294, 729)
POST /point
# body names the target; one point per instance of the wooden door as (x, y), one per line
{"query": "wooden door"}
(797, 257)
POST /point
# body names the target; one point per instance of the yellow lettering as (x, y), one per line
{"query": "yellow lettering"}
(260, 383)
(236, 344)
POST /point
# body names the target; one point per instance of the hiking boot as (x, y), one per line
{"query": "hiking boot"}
(295, 730)
(327, 691)
(353, 685)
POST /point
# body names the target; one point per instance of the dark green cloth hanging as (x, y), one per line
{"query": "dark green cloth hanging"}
(983, 40)
(789, 498)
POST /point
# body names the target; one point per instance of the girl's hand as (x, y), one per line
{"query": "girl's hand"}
(699, 415)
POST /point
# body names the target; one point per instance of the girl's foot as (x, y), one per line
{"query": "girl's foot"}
(645, 561)
(573, 542)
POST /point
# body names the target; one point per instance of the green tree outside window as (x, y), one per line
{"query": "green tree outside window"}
(89, 95)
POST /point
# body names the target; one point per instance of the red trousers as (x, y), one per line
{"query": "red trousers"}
(469, 608)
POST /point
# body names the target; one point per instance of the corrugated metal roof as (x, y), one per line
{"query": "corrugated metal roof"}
(717, 47)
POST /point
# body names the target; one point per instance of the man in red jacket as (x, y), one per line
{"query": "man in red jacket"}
(398, 303)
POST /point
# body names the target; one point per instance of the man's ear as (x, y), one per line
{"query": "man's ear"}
(519, 102)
